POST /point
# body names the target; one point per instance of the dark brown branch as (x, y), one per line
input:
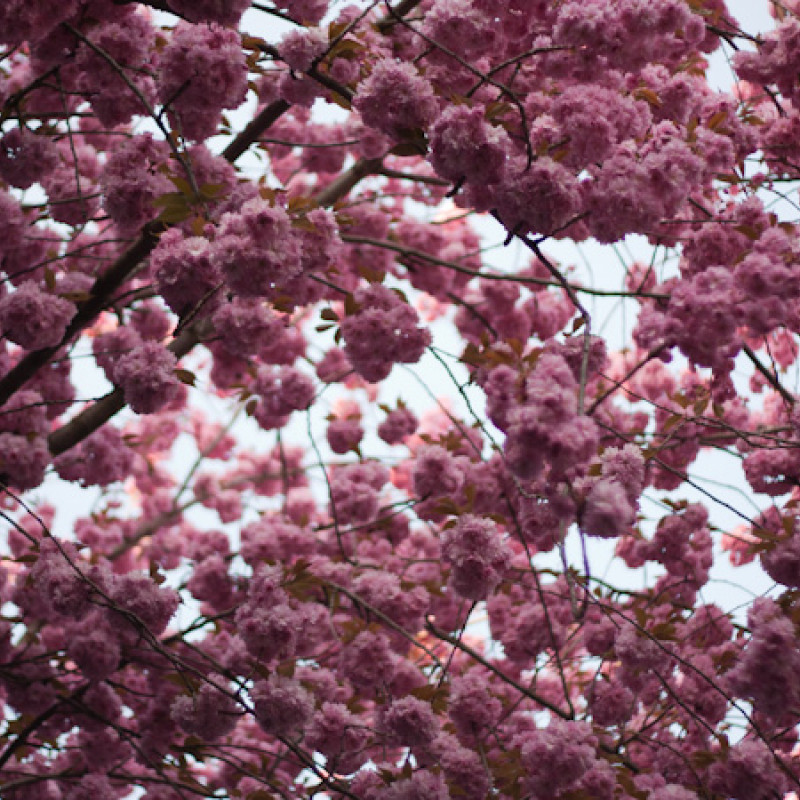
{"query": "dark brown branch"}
(457, 643)
(91, 418)
(392, 18)
(86, 423)
(125, 266)
(772, 379)
(339, 187)
(254, 129)
(410, 252)
(104, 287)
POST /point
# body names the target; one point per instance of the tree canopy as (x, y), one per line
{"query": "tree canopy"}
(315, 444)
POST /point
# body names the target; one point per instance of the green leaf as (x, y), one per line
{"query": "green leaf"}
(175, 207)
(182, 185)
(211, 191)
(671, 423)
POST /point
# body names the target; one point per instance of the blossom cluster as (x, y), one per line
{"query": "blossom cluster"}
(336, 478)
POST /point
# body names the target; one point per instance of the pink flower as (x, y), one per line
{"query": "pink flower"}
(385, 592)
(128, 40)
(211, 583)
(185, 272)
(300, 48)
(555, 758)
(151, 604)
(92, 787)
(539, 199)
(58, 574)
(209, 714)
(436, 473)
(94, 647)
(281, 391)
(464, 145)
(611, 703)
(257, 250)
(25, 413)
(344, 434)
(269, 633)
(225, 12)
(749, 770)
(21, 21)
(381, 316)
(201, 71)
(776, 60)
(462, 27)
(478, 556)
(146, 375)
(368, 662)
(473, 709)
(23, 460)
(462, 767)
(131, 181)
(33, 318)
(594, 119)
(99, 460)
(282, 706)
(25, 156)
(307, 11)
(396, 99)
(339, 735)
(355, 497)
(409, 722)
(665, 31)
(608, 512)
(399, 424)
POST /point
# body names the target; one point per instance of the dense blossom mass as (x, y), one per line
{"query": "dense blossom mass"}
(309, 488)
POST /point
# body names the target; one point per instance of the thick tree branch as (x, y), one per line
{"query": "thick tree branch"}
(104, 288)
(125, 266)
(254, 129)
(91, 418)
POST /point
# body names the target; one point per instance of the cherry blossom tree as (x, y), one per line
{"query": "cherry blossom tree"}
(308, 486)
